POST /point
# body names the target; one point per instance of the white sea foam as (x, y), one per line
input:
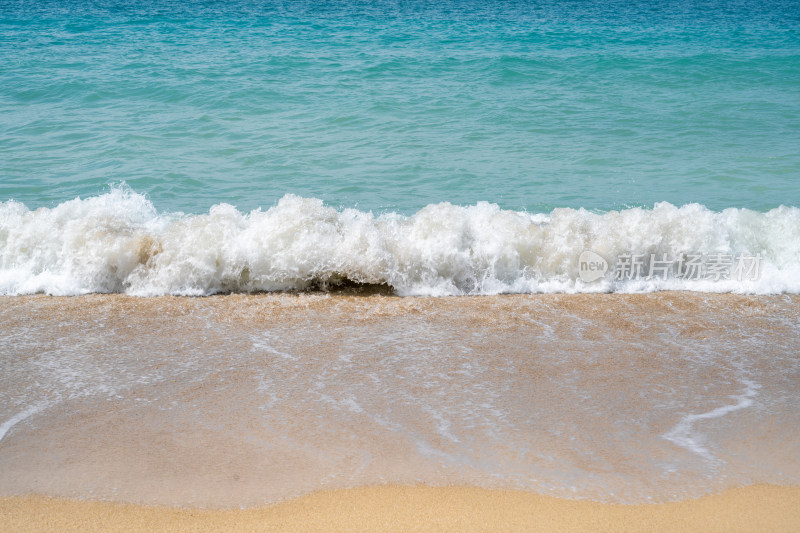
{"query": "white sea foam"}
(683, 433)
(28, 412)
(118, 242)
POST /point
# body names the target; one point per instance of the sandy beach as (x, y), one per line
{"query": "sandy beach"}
(761, 508)
(385, 266)
(315, 412)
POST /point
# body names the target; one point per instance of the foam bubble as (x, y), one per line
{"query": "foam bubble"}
(118, 242)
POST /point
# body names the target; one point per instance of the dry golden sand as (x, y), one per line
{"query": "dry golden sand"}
(759, 508)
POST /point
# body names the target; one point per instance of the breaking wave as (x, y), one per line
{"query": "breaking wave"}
(118, 242)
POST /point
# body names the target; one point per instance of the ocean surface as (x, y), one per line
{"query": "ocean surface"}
(431, 148)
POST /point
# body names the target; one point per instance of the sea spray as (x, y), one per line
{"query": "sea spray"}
(118, 242)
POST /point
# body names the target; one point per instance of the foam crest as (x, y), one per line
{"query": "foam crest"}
(118, 242)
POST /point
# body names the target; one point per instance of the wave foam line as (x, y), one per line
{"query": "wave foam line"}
(682, 434)
(118, 242)
(31, 410)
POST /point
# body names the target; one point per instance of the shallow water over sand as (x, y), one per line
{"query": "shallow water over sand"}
(240, 400)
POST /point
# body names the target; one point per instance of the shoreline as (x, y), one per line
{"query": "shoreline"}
(247, 400)
(420, 508)
(217, 403)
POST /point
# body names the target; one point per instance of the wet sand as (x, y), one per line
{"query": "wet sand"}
(535, 401)
(760, 508)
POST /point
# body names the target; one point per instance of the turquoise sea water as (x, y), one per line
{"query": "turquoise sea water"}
(390, 106)
(458, 131)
